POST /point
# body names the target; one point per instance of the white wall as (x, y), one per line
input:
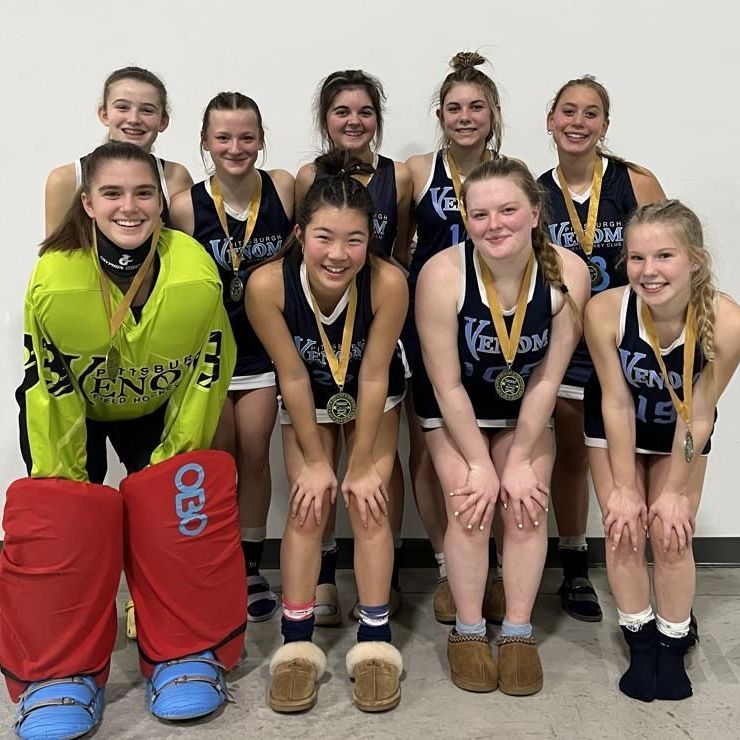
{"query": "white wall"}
(670, 68)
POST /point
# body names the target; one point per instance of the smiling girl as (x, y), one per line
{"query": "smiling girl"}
(592, 194)
(498, 317)
(329, 312)
(349, 110)
(664, 349)
(469, 116)
(125, 340)
(134, 109)
(241, 215)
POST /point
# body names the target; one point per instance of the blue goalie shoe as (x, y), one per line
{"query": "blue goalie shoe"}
(187, 688)
(62, 708)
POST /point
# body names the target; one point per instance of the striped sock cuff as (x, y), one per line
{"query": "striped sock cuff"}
(298, 612)
(374, 616)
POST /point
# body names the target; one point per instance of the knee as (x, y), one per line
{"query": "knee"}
(458, 532)
(371, 531)
(524, 535)
(673, 558)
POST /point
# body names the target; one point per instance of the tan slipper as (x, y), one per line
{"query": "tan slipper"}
(472, 666)
(130, 620)
(326, 609)
(519, 666)
(444, 603)
(296, 668)
(375, 668)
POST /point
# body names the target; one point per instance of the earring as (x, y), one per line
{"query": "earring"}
(549, 132)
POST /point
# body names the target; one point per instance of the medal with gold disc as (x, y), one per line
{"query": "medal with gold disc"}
(236, 286)
(586, 235)
(509, 384)
(683, 408)
(115, 318)
(341, 407)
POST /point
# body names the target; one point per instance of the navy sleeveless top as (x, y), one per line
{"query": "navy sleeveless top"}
(271, 227)
(301, 322)
(616, 204)
(382, 189)
(655, 416)
(479, 350)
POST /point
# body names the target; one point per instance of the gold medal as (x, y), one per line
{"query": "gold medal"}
(236, 287)
(341, 408)
(586, 236)
(595, 272)
(112, 362)
(509, 385)
(683, 408)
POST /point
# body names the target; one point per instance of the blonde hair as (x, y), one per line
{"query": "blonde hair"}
(686, 227)
(545, 253)
(464, 70)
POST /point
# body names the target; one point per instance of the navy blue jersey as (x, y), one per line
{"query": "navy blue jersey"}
(655, 416)
(439, 223)
(479, 349)
(165, 214)
(382, 189)
(271, 227)
(301, 322)
(616, 205)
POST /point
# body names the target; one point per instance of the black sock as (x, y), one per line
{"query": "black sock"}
(492, 554)
(672, 682)
(328, 572)
(395, 583)
(252, 556)
(638, 681)
(297, 630)
(574, 562)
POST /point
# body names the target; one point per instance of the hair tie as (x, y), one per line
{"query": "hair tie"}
(563, 288)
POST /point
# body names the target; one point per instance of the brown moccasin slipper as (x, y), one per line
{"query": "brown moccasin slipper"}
(375, 668)
(472, 666)
(295, 668)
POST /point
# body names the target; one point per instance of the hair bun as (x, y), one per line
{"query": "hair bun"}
(467, 60)
(341, 163)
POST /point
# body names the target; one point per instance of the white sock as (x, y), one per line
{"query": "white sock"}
(574, 543)
(440, 558)
(672, 629)
(633, 622)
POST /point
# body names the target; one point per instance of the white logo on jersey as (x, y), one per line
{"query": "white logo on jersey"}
(127, 259)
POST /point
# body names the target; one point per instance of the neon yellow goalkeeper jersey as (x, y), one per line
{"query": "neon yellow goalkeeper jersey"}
(180, 353)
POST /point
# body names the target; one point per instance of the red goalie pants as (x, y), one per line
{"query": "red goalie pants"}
(60, 568)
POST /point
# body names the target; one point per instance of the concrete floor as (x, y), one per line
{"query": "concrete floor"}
(580, 699)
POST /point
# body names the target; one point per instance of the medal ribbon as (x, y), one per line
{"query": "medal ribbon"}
(683, 408)
(254, 207)
(585, 237)
(509, 342)
(338, 366)
(116, 318)
(457, 183)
